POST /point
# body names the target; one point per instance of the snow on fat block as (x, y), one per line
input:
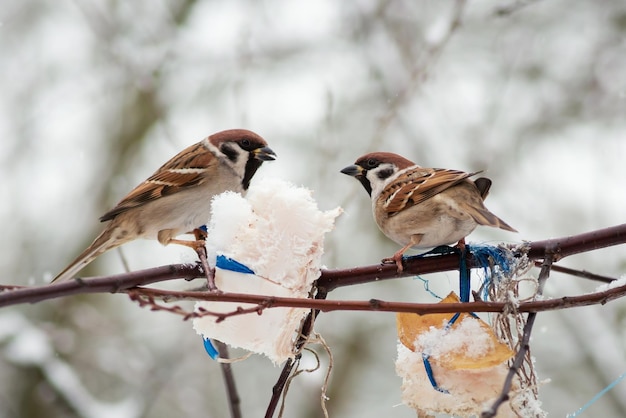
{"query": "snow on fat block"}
(268, 244)
(466, 360)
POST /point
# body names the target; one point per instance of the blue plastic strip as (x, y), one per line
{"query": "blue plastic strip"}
(453, 320)
(226, 263)
(427, 287)
(500, 256)
(210, 348)
(441, 250)
(429, 373)
(482, 254)
(598, 396)
(464, 277)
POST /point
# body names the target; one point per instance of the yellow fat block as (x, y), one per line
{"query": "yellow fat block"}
(461, 355)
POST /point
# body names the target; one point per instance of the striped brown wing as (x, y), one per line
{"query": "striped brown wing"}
(186, 169)
(418, 184)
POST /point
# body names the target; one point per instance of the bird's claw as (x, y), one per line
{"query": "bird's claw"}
(397, 260)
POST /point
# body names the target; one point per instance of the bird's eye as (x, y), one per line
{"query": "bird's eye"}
(245, 142)
(371, 163)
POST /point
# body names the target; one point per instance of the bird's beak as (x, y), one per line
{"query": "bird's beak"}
(353, 170)
(264, 154)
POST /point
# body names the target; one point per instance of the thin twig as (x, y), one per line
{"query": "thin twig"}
(146, 298)
(209, 272)
(307, 328)
(524, 345)
(513, 7)
(580, 273)
(277, 390)
(419, 73)
(377, 305)
(234, 401)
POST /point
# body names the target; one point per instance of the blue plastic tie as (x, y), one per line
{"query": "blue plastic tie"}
(598, 396)
(452, 320)
(224, 263)
(427, 287)
(227, 263)
(441, 250)
(210, 348)
(431, 376)
(482, 254)
(465, 283)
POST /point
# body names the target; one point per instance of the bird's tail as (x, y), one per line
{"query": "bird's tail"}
(482, 216)
(104, 242)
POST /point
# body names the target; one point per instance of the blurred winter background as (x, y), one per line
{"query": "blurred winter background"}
(98, 94)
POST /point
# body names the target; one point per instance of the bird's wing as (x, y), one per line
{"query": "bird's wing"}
(187, 169)
(415, 185)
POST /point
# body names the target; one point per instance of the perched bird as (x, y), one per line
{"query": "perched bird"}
(176, 199)
(422, 207)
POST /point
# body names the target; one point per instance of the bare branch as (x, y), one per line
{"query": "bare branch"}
(146, 298)
(331, 279)
(524, 347)
(580, 273)
(265, 302)
(105, 284)
(234, 401)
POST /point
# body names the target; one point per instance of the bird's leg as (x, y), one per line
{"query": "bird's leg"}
(200, 234)
(194, 245)
(198, 245)
(397, 257)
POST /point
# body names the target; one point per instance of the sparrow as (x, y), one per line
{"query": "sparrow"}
(176, 199)
(421, 207)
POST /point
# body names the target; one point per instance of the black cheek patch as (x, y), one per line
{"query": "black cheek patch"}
(385, 174)
(230, 152)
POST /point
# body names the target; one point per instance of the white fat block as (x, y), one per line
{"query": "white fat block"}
(470, 391)
(277, 232)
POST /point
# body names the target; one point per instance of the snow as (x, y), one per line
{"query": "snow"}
(468, 337)
(614, 284)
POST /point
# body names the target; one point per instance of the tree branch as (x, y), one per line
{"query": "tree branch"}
(377, 305)
(329, 279)
(104, 284)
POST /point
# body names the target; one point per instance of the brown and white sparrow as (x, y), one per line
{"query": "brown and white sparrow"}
(176, 199)
(422, 207)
